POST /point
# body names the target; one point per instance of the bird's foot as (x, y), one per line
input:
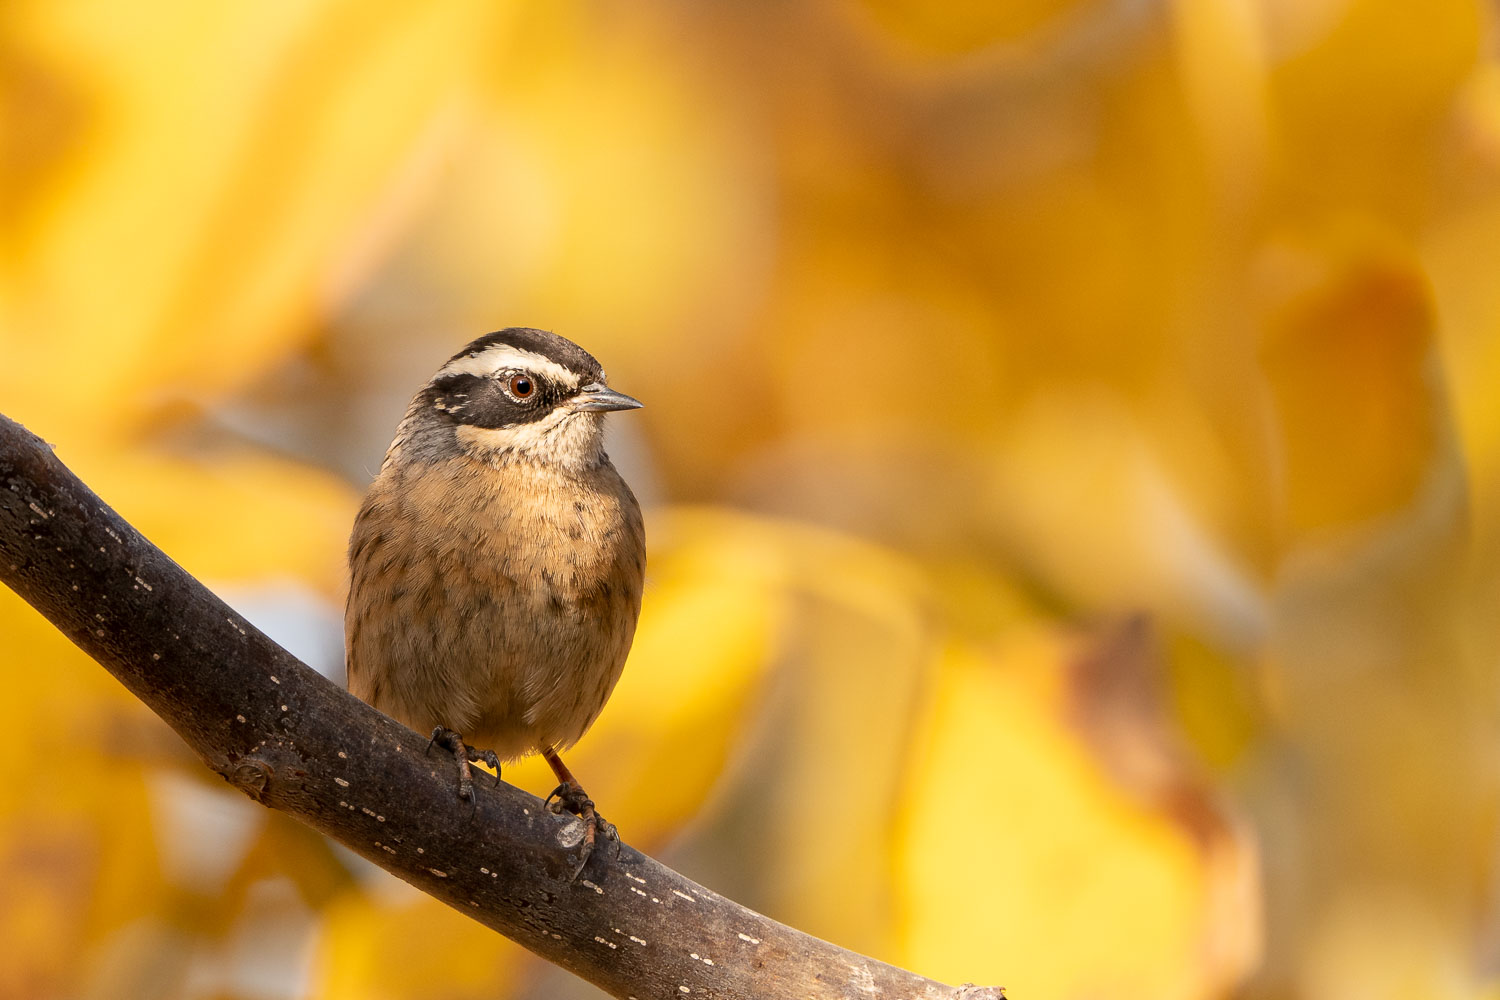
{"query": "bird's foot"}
(464, 754)
(570, 797)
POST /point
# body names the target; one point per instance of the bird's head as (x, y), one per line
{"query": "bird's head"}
(515, 395)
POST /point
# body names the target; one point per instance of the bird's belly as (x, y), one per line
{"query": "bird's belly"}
(516, 646)
(547, 684)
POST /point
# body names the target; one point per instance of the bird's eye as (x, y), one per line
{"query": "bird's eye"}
(521, 386)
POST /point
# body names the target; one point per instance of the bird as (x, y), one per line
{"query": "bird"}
(497, 561)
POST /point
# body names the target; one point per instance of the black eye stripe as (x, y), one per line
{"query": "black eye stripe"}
(491, 401)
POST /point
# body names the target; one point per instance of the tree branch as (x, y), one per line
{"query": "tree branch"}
(291, 740)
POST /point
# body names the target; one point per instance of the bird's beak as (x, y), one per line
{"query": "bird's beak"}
(595, 397)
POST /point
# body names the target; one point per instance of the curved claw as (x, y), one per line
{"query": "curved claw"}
(463, 754)
(556, 808)
(572, 799)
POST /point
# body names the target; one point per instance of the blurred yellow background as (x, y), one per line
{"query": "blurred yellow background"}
(1072, 455)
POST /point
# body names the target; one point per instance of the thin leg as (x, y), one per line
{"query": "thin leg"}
(463, 753)
(570, 797)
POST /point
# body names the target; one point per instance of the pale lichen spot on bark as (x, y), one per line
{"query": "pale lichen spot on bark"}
(862, 979)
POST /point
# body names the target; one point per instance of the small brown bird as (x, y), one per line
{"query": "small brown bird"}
(496, 563)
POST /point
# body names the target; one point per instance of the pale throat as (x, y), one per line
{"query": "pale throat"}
(574, 441)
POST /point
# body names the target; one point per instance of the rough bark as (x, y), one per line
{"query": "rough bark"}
(293, 741)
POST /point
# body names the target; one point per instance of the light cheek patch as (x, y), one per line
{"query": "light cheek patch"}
(567, 439)
(499, 357)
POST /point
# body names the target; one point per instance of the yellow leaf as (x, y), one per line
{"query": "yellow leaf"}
(400, 945)
(960, 28)
(245, 516)
(218, 158)
(1348, 353)
(1018, 861)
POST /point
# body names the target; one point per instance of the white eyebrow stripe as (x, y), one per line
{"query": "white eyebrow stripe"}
(498, 357)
